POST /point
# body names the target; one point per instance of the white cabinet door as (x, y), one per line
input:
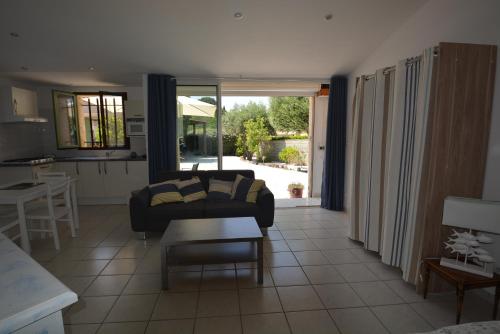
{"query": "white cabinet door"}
(115, 179)
(90, 180)
(68, 167)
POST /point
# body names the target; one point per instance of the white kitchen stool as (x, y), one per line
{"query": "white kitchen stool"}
(51, 212)
(8, 221)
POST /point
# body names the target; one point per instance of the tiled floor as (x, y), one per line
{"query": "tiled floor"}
(316, 281)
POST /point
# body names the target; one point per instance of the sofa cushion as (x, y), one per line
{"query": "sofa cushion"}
(163, 213)
(231, 208)
(165, 192)
(219, 190)
(246, 189)
(191, 190)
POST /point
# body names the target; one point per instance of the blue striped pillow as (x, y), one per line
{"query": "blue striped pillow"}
(191, 190)
(219, 190)
(165, 192)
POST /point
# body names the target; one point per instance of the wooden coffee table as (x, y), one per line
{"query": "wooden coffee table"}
(211, 241)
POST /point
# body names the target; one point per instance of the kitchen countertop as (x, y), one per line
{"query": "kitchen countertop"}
(74, 159)
(28, 292)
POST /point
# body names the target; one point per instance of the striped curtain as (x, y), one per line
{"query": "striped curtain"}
(389, 130)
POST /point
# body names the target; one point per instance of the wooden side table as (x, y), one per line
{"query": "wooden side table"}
(462, 281)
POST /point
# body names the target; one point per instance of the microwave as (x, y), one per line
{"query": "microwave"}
(135, 127)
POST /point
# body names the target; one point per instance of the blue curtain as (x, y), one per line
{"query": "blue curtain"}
(332, 190)
(162, 118)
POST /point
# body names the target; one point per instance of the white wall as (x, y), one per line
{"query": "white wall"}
(464, 21)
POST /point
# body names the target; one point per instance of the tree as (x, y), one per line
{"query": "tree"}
(289, 113)
(209, 100)
(256, 135)
(233, 120)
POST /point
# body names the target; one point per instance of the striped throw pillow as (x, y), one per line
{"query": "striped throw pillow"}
(191, 190)
(246, 189)
(219, 190)
(164, 192)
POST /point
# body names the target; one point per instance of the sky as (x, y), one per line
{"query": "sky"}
(229, 101)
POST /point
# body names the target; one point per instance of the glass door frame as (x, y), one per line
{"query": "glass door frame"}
(211, 83)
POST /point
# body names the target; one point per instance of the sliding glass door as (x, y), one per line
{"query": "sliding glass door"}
(198, 127)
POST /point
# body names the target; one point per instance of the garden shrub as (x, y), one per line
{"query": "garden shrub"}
(291, 155)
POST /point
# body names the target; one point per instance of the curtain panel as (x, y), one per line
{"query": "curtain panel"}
(332, 190)
(389, 131)
(162, 124)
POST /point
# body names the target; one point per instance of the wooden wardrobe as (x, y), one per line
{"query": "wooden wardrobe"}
(457, 137)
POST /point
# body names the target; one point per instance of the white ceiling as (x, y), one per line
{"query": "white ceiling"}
(60, 39)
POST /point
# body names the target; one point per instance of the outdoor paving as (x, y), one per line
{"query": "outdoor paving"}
(277, 179)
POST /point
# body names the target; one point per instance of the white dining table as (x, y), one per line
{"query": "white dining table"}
(19, 197)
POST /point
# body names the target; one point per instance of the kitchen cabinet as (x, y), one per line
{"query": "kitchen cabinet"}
(106, 181)
(18, 105)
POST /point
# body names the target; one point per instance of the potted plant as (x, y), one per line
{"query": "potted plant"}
(295, 190)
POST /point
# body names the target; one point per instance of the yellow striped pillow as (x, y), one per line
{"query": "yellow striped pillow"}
(246, 189)
(191, 190)
(165, 192)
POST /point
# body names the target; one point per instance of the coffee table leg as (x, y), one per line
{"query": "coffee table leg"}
(460, 301)
(164, 268)
(260, 260)
(497, 298)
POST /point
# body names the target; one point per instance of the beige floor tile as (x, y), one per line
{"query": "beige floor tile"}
(107, 285)
(299, 298)
(218, 325)
(273, 235)
(401, 319)
(306, 322)
(323, 274)
(284, 276)
(310, 258)
(77, 268)
(89, 310)
(301, 245)
(317, 233)
(260, 300)
(121, 267)
(132, 252)
(357, 321)
(77, 284)
(405, 290)
(184, 326)
(340, 256)
(339, 295)
(376, 293)
(81, 329)
(132, 308)
(438, 314)
(143, 284)
(102, 253)
(179, 305)
(334, 243)
(184, 281)
(293, 234)
(218, 303)
(271, 323)
(275, 246)
(123, 328)
(384, 272)
(356, 272)
(247, 278)
(366, 256)
(77, 253)
(218, 280)
(283, 259)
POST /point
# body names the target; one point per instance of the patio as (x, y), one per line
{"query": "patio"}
(277, 179)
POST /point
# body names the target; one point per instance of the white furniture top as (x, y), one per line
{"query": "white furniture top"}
(28, 292)
(472, 213)
(12, 196)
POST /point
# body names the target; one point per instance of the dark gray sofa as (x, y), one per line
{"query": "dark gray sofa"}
(145, 218)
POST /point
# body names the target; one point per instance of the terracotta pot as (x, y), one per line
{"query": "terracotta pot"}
(296, 193)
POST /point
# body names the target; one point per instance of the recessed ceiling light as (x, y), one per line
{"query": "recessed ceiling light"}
(24, 68)
(238, 15)
(91, 68)
(328, 17)
(14, 34)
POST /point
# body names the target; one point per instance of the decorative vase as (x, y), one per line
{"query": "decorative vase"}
(296, 193)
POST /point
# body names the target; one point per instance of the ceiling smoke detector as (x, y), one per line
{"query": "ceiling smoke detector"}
(328, 17)
(238, 15)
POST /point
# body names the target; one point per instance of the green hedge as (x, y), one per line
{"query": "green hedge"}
(289, 137)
